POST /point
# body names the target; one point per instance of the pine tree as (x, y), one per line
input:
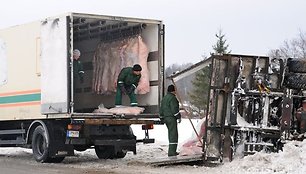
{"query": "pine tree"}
(200, 92)
(221, 47)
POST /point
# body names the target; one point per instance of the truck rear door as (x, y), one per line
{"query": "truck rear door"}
(54, 65)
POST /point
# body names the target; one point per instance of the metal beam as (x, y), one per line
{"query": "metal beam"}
(106, 115)
(117, 121)
(192, 69)
(13, 131)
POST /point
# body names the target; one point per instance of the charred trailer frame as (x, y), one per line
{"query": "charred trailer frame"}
(254, 104)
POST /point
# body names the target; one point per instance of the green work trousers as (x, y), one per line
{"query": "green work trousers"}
(132, 96)
(171, 124)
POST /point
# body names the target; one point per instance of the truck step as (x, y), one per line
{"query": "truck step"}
(12, 131)
(9, 143)
(145, 140)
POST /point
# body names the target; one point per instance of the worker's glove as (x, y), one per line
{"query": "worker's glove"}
(122, 88)
(81, 75)
(161, 120)
(136, 91)
(130, 89)
(179, 117)
(81, 79)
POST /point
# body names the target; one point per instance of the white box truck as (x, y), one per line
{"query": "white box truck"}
(43, 107)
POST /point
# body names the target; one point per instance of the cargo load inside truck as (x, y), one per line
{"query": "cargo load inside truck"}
(106, 47)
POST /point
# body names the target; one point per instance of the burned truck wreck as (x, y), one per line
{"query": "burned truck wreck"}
(255, 103)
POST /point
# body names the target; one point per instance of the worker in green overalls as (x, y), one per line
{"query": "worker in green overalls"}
(78, 71)
(127, 83)
(169, 114)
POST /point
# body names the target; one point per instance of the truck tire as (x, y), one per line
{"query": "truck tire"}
(297, 65)
(40, 147)
(56, 159)
(295, 81)
(105, 152)
(120, 154)
(81, 148)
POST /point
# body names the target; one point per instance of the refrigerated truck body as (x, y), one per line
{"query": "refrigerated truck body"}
(41, 107)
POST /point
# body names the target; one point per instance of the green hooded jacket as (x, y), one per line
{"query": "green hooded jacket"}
(169, 106)
(128, 78)
(78, 69)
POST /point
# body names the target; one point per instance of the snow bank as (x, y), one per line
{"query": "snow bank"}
(291, 160)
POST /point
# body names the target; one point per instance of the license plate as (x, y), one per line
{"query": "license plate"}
(73, 134)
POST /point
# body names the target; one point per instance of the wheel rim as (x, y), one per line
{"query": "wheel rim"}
(41, 145)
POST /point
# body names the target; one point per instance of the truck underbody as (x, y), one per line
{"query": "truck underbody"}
(53, 139)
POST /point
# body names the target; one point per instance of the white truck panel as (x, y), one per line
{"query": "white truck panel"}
(20, 93)
(54, 49)
(3, 63)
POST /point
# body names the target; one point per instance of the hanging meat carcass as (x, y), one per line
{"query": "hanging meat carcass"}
(144, 84)
(111, 57)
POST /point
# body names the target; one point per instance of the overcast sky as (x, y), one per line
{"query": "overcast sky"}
(251, 26)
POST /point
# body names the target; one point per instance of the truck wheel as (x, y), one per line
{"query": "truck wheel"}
(295, 81)
(39, 145)
(80, 148)
(297, 65)
(56, 159)
(120, 154)
(105, 152)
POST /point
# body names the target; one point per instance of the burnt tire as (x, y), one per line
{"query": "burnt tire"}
(105, 152)
(40, 146)
(295, 81)
(297, 65)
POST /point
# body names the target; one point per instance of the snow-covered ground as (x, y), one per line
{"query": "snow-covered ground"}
(291, 160)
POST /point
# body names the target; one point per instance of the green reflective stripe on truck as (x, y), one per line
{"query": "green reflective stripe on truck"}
(20, 98)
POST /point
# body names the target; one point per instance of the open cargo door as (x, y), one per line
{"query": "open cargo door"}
(54, 66)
